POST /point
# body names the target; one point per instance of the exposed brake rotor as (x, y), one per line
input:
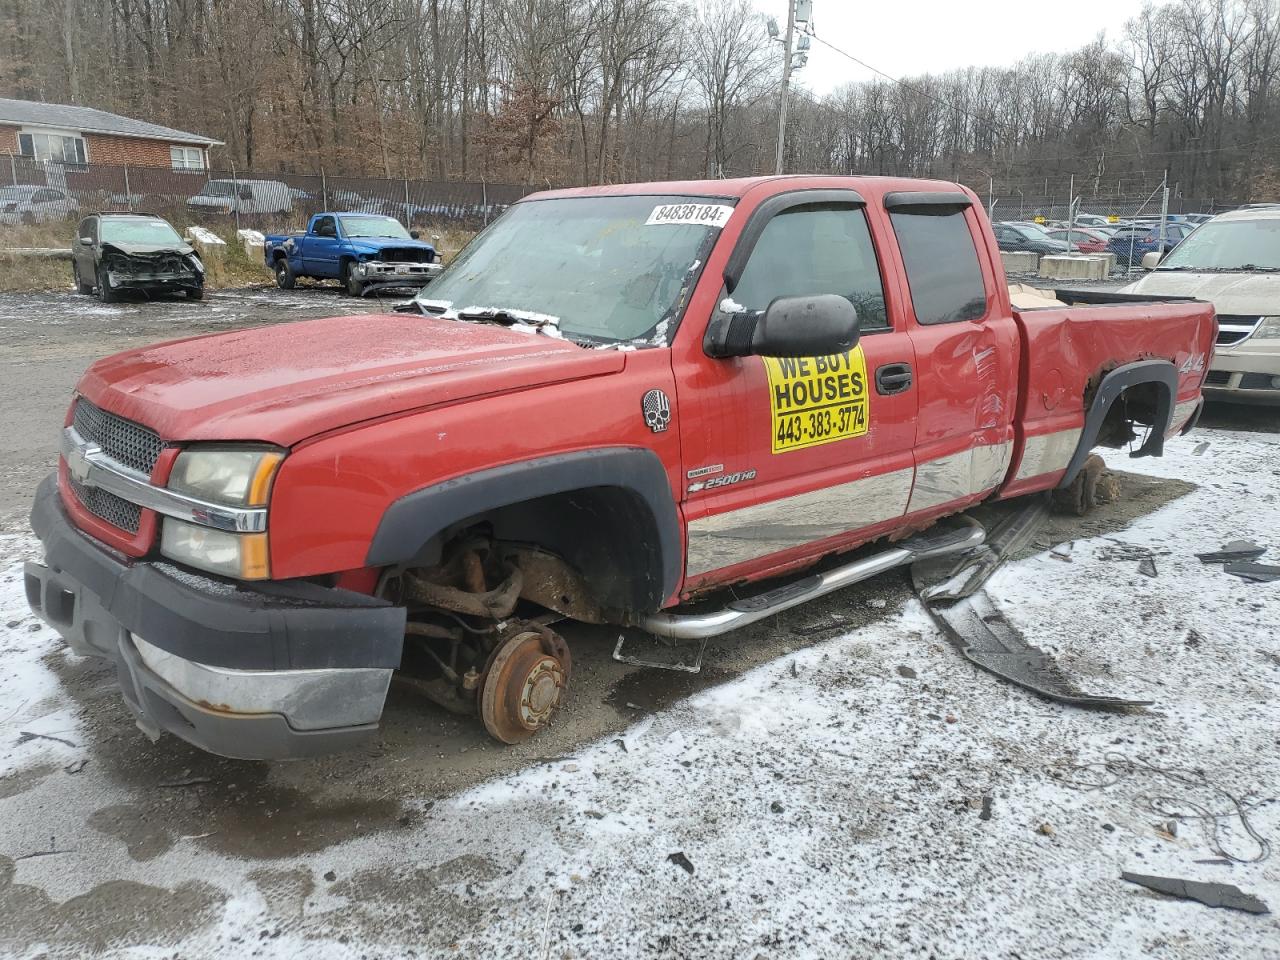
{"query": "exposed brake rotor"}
(525, 682)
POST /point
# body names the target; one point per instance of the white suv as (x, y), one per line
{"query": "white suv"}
(1233, 261)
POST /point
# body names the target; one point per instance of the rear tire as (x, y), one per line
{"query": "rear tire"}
(195, 293)
(285, 278)
(106, 293)
(82, 288)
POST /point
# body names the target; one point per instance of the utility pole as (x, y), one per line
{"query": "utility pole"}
(786, 82)
(798, 11)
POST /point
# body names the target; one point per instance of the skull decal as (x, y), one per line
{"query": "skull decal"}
(657, 410)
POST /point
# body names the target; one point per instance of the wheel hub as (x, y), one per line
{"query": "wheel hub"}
(525, 684)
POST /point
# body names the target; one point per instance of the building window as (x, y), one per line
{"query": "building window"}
(187, 158)
(58, 147)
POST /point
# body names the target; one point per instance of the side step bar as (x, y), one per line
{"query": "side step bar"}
(739, 613)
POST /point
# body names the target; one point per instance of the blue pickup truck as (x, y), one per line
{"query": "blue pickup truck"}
(364, 251)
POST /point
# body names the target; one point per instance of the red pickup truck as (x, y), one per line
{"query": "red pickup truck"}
(613, 402)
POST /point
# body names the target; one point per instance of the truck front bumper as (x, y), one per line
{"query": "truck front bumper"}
(377, 273)
(1245, 373)
(298, 671)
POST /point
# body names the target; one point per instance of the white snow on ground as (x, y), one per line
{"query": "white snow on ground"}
(828, 803)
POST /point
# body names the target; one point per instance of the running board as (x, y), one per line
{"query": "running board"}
(740, 613)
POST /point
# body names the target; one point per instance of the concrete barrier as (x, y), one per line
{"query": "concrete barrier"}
(1019, 261)
(207, 242)
(1073, 268)
(36, 253)
(253, 242)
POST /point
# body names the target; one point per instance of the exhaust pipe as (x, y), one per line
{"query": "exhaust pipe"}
(739, 613)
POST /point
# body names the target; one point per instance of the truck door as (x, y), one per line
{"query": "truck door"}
(789, 458)
(320, 248)
(966, 348)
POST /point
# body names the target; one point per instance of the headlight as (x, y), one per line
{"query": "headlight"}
(238, 478)
(1268, 329)
(243, 556)
(196, 262)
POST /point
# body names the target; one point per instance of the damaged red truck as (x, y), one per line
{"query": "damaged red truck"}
(614, 402)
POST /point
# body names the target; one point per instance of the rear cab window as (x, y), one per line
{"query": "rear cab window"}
(941, 260)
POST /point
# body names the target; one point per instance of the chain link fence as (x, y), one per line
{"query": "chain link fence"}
(34, 191)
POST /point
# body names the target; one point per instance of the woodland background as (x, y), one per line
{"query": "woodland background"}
(553, 92)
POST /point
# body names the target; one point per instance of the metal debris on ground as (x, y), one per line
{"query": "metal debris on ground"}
(76, 766)
(1219, 806)
(1147, 566)
(1210, 894)
(1235, 550)
(1201, 447)
(185, 782)
(25, 736)
(658, 653)
(986, 809)
(681, 861)
(1254, 572)
(1062, 551)
(1120, 551)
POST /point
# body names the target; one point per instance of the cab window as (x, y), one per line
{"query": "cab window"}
(811, 250)
(942, 264)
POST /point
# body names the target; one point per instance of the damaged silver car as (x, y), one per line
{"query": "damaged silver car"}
(118, 252)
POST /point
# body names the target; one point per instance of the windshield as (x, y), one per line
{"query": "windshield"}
(139, 231)
(1229, 245)
(373, 227)
(219, 188)
(607, 269)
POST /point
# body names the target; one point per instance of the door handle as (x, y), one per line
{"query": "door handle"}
(893, 378)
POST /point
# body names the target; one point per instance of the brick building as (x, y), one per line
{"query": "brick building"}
(82, 135)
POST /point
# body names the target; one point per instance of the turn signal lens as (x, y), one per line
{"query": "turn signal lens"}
(243, 556)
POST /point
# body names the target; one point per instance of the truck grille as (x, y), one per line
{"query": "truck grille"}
(122, 440)
(1233, 329)
(107, 506)
(404, 255)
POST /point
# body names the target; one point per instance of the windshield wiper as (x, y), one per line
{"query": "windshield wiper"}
(510, 317)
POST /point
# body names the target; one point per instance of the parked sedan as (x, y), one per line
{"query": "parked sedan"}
(24, 203)
(1027, 237)
(1082, 239)
(126, 251)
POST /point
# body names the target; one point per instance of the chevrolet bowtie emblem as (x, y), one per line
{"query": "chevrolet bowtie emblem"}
(78, 462)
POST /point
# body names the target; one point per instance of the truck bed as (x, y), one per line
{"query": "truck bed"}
(1099, 331)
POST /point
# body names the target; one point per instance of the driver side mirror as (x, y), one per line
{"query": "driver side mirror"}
(415, 234)
(813, 326)
(1151, 260)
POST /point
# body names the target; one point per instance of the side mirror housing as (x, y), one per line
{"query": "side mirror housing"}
(814, 326)
(415, 234)
(1151, 260)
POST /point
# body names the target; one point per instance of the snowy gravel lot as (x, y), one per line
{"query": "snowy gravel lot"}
(827, 804)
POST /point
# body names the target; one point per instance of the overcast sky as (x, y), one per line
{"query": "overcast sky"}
(937, 35)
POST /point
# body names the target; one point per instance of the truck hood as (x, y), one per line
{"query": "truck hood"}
(1233, 294)
(285, 383)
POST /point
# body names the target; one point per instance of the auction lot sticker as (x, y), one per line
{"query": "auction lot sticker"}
(702, 214)
(816, 400)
